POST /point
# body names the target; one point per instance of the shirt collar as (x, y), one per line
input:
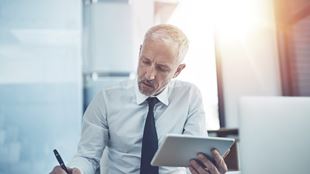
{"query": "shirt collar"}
(162, 97)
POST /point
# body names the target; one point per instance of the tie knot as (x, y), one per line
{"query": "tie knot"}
(152, 101)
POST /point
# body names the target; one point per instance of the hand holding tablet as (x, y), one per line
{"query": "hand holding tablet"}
(178, 150)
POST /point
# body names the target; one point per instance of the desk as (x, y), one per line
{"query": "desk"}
(234, 172)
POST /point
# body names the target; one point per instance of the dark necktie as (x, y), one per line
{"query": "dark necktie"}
(149, 140)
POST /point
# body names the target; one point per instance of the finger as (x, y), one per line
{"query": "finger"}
(58, 170)
(192, 170)
(209, 165)
(76, 171)
(198, 168)
(220, 162)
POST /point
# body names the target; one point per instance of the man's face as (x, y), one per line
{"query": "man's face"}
(158, 64)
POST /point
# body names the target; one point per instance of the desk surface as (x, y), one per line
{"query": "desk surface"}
(234, 172)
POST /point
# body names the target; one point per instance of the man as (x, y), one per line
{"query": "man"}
(133, 117)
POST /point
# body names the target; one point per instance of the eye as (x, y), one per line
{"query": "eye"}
(146, 62)
(163, 68)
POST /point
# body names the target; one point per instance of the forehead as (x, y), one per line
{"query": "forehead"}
(161, 50)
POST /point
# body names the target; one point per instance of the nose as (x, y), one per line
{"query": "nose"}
(150, 73)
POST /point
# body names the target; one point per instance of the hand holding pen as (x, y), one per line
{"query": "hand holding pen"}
(62, 169)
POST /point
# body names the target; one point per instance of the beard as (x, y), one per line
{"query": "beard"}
(150, 87)
(147, 87)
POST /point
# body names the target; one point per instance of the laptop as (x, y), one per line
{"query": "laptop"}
(274, 135)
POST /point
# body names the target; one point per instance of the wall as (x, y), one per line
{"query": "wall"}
(40, 83)
(114, 31)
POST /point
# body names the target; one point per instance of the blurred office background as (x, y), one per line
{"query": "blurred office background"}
(55, 55)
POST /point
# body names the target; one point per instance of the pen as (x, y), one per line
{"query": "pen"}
(60, 161)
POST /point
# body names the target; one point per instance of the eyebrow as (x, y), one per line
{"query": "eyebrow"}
(144, 57)
(162, 65)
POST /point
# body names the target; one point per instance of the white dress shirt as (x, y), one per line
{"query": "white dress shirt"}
(116, 116)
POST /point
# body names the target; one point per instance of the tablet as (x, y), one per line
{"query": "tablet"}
(177, 150)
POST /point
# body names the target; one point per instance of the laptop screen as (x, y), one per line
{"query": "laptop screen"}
(275, 135)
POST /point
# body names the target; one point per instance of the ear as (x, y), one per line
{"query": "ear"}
(140, 49)
(179, 70)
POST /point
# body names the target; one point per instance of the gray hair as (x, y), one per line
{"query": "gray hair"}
(167, 32)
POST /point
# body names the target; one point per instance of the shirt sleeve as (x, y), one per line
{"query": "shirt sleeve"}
(195, 123)
(94, 136)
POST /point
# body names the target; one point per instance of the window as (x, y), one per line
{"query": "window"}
(195, 19)
(293, 23)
